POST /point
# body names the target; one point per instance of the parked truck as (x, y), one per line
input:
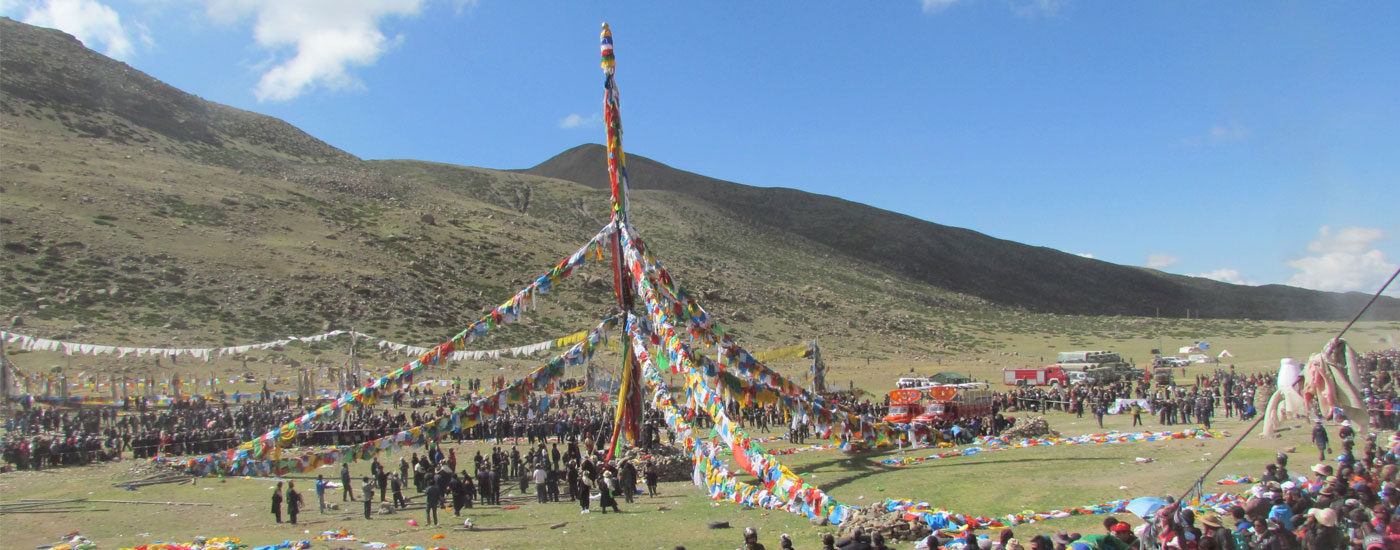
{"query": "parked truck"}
(905, 405)
(956, 403)
(930, 405)
(1100, 366)
(1054, 375)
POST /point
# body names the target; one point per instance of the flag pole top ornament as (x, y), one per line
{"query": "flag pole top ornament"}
(606, 44)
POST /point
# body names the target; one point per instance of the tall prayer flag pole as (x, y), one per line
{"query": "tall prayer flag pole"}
(627, 418)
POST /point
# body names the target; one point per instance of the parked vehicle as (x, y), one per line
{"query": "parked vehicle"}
(905, 404)
(1099, 365)
(956, 403)
(914, 383)
(930, 405)
(1163, 375)
(1054, 376)
(1171, 361)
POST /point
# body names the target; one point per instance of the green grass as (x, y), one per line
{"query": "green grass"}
(993, 484)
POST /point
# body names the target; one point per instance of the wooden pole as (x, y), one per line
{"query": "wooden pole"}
(5, 380)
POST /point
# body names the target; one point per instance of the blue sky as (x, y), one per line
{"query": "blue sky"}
(1250, 142)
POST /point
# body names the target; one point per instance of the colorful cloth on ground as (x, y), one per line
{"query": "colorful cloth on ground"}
(345, 536)
(218, 543)
(1002, 444)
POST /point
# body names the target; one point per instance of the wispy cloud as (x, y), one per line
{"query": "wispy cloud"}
(324, 37)
(1220, 134)
(1161, 260)
(1089, 255)
(1344, 261)
(94, 23)
(1036, 8)
(935, 6)
(1023, 8)
(464, 6)
(1227, 275)
(1348, 240)
(575, 120)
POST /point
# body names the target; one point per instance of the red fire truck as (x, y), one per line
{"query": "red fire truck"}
(1040, 376)
(939, 403)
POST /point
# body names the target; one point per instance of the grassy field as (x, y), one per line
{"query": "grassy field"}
(988, 484)
(991, 484)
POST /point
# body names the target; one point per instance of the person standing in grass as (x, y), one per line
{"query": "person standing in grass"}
(294, 501)
(627, 478)
(277, 502)
(540, 477)
(434, 497)
(607, 490)
(652, 478)
(346, 492)
(1319, 438)
(368, 489)
(321, 492)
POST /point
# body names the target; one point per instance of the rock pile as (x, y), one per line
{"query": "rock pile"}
(1029, 427)
(672, 463)
(874, 519)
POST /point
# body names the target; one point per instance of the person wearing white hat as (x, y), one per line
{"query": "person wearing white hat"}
(1347, 433)
(1322, 471)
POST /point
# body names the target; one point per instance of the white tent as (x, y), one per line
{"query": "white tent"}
(1187, 349)
(1225, 353)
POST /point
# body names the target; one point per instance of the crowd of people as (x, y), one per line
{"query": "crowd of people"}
(553, 446)
(575, 473)
(38, 437)
(1381, 374)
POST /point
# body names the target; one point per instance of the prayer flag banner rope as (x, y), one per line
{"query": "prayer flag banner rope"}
(504, 314)
(243, 462)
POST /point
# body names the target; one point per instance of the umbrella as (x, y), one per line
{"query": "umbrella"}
(1145, 507)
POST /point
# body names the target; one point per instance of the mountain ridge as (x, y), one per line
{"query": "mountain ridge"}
(1005, 272)
(120, 225)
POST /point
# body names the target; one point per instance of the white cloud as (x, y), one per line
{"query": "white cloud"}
(935, 6)
(1159, 260)
(1220, 134)
(575, 120)
(1088, 255)
(1034, 8)
(1227, 275)
(1023, 8)
(326, 37)
(1349, 240)
(464, 6)
(1345, 261)
(91, 21)
(1229, 132)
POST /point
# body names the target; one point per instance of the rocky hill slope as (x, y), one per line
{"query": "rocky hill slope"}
(137, 214)
(1000, 271)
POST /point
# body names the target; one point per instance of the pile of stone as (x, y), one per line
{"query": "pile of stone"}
(1029, 427)
(874, 519)
(672, 463)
